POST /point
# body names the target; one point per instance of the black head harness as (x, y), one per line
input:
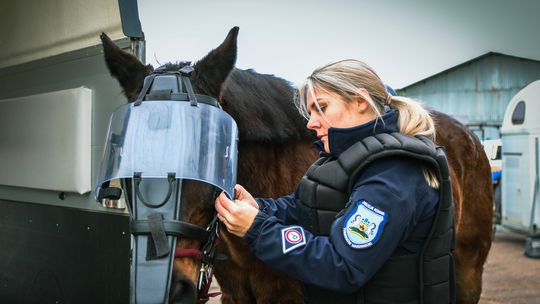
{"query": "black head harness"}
(168, 134)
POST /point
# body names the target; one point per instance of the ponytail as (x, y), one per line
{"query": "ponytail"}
(414, 119)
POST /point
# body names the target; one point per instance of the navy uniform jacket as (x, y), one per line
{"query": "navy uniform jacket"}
(395, 186)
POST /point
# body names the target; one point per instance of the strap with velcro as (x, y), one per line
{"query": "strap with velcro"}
(172, 227)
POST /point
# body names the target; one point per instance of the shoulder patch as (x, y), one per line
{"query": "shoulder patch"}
(292, 238)
(364, 225)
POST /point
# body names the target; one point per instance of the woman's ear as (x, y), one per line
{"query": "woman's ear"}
(362, 100)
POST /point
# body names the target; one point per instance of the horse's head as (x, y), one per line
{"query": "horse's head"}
(197, 203)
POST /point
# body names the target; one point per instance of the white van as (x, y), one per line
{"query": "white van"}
(520, 134)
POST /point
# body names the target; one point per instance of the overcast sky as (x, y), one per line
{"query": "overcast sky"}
(404, 41)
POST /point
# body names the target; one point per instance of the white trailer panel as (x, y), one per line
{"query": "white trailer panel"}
(46, 141)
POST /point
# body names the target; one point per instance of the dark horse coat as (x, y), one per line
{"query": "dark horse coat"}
(274, 152)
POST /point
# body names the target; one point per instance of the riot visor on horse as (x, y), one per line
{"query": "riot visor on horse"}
(158, 147)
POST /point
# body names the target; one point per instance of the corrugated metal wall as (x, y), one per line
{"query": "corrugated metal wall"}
(478, 91)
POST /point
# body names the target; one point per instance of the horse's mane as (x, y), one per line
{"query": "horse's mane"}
(263, 108)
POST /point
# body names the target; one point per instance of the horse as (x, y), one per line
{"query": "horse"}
(275, 149)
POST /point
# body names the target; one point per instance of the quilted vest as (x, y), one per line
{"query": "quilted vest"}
(426, 277)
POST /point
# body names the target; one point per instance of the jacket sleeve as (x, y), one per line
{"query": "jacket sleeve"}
(283, 208)
(330, 261)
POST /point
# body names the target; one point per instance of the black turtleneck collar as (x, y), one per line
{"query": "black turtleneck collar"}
(340, 139)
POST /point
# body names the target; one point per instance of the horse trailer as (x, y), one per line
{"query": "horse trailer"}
(57, 245)
(520, 144)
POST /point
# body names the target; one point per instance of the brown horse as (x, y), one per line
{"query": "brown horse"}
(275, 150)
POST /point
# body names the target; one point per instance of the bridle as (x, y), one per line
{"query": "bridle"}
(206, 254)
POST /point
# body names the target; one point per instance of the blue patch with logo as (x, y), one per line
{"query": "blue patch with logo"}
(292, 238)
(364, 225)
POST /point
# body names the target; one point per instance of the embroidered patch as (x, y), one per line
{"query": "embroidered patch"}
(292, 237)
(363, 226)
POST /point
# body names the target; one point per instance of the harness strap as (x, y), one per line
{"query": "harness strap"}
(159, 237)
(188, 253)
(147, 83)
(172, 227)
(200, 98)
(189, 89)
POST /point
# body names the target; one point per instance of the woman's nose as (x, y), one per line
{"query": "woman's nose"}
(313, 123)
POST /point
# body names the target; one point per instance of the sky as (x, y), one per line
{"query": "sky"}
(404, 41)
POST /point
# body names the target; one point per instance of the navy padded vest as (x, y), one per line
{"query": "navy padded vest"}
(427, 277)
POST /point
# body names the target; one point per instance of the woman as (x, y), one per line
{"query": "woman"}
(364, 225)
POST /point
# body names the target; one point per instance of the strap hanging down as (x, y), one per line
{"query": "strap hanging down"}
(159, 237)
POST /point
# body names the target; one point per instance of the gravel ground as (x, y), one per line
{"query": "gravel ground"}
(509, 276)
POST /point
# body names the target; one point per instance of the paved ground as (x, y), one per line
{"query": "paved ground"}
(509, 276)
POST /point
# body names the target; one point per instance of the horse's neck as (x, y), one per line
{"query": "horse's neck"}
(268, 170)
(259, 103)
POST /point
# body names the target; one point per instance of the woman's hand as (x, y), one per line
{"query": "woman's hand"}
(237, 215)
(240, 193)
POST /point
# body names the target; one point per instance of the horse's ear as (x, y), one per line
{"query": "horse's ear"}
(125, 67)
(216, 66)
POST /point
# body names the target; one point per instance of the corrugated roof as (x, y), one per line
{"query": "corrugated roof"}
(489, 54)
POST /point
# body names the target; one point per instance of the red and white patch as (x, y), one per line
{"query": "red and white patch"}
(292, 238)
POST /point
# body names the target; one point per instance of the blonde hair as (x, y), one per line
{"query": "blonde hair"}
(346, 77)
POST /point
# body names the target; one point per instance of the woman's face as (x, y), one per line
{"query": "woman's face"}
(336, 112)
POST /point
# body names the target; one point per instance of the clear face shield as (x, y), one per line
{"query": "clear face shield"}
(158, 139)
(152, 148)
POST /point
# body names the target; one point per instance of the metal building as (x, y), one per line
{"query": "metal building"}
(478, 91)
